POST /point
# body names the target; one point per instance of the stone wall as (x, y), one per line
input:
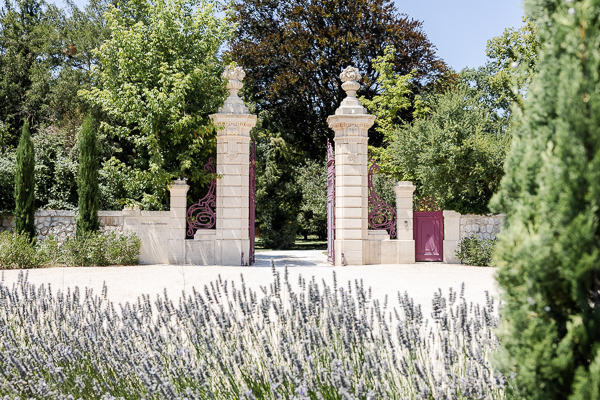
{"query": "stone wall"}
(484, 226)
(61, 223)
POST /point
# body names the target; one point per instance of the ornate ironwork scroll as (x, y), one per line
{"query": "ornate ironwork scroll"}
(382, 215)
(201, 214)
(330, 204)
(251, 256)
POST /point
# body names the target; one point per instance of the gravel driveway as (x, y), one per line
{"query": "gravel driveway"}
(125, 284)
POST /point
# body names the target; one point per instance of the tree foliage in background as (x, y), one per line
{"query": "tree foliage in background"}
(158, 82)
(312, 180)
(25, 186)
(294, 51)
(513, 56)
(393, 98)
(87, 179)
(549, 250)
(455, 154)
(27, 57)
(277, 193)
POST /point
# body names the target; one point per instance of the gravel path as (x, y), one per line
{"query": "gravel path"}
(125, 284)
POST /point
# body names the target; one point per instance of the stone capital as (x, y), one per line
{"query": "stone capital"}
(404, 189)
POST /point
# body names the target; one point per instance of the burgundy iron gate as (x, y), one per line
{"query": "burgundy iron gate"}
(330, 204)
(381, 214)
(429, 235)
(252, 210)
(201, 214)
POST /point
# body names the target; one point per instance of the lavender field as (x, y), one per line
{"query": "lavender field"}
(289, 340)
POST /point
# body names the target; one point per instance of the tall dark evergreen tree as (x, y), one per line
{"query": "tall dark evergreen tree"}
(25, 185)
(549, 252)
(87, 178)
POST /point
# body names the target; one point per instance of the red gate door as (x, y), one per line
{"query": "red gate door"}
(428, 231)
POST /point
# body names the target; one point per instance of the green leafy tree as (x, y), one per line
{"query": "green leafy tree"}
(312, 180)
(159, 80)
(293, 53)
(277, 194)
(55, 170)
(548, 255)
(393, 98)
(513, 56)
(25, 186)
(7, 182)
(455, 154)
(28, 36)
(87, 179)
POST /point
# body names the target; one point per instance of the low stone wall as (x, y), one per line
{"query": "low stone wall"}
(484, 226)
(61, 223)
(457, 227)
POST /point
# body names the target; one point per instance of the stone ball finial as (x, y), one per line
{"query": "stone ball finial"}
(234, 73)
(350, 77)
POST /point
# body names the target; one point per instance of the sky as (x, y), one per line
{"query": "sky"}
(460, 29)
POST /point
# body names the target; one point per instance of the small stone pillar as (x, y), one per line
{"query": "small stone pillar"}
(451, 236)
(351, 124)
(404, 212)
(233, 162)
(177, 221)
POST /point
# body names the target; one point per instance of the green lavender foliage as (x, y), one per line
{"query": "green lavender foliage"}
(227, 341)
(87, 179)
(25, 185)
(549, 251)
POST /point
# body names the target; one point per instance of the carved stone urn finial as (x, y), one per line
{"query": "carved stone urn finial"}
(233, 104)
(350, 105)
(350, 77)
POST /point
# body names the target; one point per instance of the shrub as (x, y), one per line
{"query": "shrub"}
(474, 250)
(101, 249)
(19, 251)
(84, 250)
(89, 249)
(123, 249)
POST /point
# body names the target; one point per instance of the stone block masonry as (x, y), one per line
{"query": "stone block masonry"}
(457, 227)
(483, 226)
(61, 223)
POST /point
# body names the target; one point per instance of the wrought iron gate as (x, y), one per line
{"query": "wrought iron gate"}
(252, 210)
(201, 214)
(381, 214)
(330, 204)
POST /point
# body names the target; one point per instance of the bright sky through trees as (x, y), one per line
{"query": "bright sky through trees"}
(459, 29)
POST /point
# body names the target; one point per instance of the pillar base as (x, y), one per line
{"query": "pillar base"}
(229, 252)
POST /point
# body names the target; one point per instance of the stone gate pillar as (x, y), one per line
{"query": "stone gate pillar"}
(233, 157)
(404, 230)
(351, 124)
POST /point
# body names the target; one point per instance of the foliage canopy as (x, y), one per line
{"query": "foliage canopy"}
(158, 82)
(294, 51)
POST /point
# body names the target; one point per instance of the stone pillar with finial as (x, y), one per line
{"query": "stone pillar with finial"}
(233, 123)
(351, 124)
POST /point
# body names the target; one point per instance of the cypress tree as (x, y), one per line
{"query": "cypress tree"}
(25, 185)
(549, 250)
(87, 178)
